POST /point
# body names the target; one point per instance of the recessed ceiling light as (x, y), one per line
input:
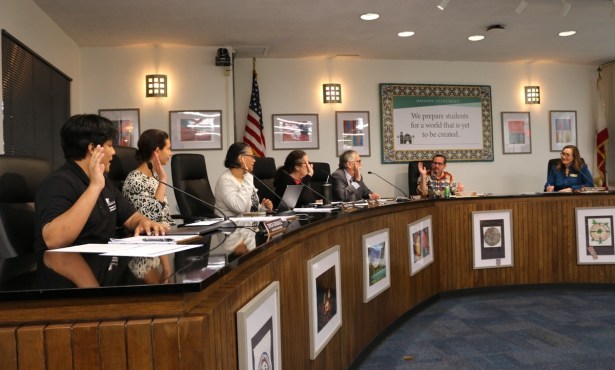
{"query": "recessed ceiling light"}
(443, 4)
(370, 16)
(476, 38)
(405, 34)
(567, 33)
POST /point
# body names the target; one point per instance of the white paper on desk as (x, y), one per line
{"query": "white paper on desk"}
(168, 239)
(210, 221)
(150, 250)
(90, 248)
(259, 218)
(314, 210)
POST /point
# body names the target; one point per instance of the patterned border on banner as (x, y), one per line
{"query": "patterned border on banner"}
(388, 94)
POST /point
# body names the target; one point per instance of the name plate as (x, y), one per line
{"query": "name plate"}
(274, 226)
(371, 203)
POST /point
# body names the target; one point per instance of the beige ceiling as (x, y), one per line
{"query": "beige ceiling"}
(328, 28)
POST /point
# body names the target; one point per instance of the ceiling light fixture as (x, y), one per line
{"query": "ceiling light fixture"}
(443, 4)
(521, 7)
(566, 33)
(476, 38)
(566, 5)
(370, 16)
(405, 34)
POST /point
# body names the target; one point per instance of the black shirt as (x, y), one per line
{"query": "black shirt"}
(56, 195)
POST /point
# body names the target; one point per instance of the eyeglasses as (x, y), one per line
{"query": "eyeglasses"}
(437, 163)
(566, 155)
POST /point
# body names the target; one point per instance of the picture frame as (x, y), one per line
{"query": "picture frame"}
(258, 331)
(352, 132)
(420, 120)
(492, 239)
(126, 121)
(195, 129)
(324, 298)
(295, 131)
(420, 244)
(376, 264)
(595, 239)
(562, 129)
(516, 133)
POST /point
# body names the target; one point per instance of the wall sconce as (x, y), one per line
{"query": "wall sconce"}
(331, 93)
(155, 86)
(532, 95)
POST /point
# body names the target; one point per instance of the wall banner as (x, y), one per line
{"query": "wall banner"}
(418, 121)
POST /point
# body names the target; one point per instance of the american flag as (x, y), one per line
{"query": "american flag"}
(602, 133)
(253, 134)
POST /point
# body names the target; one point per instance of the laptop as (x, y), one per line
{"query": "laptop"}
(289, 199)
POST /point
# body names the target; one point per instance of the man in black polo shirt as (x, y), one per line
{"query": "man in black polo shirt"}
(77, 204)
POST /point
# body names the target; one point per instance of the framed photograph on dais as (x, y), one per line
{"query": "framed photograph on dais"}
(420, 243)
(492, 239)
(295, 131)
(324, 298)
(126, 121)
(562, 129)
(595, 241)
(376, 267)
(195, 129)
(258, 331)
(516, 133)
(352, 132)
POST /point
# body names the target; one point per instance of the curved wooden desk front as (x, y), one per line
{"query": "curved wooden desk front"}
(198, 330)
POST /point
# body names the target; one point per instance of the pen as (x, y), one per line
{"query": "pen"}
(158, 239)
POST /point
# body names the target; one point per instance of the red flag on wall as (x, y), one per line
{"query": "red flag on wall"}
(253, 134)
(602, 135)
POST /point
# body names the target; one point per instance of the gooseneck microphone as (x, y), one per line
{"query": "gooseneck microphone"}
(393, 185)
(309, 187)
(271, 191)
(151, 167)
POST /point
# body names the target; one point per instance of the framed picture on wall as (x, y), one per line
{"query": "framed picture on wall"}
(324, 298)
(420, 244)
(352, 132)
(195, 129)
(126, 121)
(376, 266)
(295, 131)
(562, 129)
(492, 239)
(516, 133)
(595, 240)
(258, 331)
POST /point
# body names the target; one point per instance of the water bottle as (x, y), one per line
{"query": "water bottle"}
(447, 191)
(326, 191)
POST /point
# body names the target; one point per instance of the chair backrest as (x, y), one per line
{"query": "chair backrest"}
(264, 169)
(189, 174)
(122, 163)
(414, 174)
(322, 170)
(20, 179)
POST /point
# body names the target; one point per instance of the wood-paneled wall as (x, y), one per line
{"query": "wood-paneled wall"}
(198, 330)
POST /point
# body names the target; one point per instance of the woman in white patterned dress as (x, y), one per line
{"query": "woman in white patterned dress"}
(148, 195)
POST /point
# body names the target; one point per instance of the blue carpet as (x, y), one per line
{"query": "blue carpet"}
(537, 329)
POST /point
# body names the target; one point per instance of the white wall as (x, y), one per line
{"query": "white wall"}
(294, 86)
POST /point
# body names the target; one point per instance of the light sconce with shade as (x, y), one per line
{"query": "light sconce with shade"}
(331, 93)
(155, 86)
(532, 94)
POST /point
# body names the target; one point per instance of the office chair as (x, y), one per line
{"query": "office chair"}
(322, 170)
(414, 174)
(189, 174)
(122, 163)
(20, 179)
(264, 169)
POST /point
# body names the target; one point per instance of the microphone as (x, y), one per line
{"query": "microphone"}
(272, 192)
(310, 188)
(405, 198)
(151, 167)
(326, 173)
